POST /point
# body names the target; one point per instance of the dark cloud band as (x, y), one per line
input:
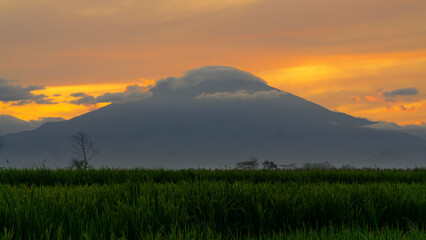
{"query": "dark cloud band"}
(21, 95)
(412, 91)
(132, 93)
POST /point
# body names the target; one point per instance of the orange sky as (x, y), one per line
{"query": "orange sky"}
(344, 55)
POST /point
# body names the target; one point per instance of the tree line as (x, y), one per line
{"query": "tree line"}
(253, 164)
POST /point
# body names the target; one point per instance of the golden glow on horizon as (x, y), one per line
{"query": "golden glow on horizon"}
(61, 96)
(336, 69)
(353, 84)
(311, 81)
(339, 54)
(37, 111)
(411, 112)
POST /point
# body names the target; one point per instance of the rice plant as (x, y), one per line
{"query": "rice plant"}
(202, 204)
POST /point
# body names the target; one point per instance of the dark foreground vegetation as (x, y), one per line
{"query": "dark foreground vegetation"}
(204, 204)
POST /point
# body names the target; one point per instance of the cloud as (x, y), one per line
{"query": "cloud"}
(132, 93)
(83, 99)
(208, 73)
(355, 98)
(405, 109)
(391, 96)
(416, 130)
(21, 95)
(370, 99)
(412, 91)
(242, 94)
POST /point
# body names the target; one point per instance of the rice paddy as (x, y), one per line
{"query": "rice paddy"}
(212, 204)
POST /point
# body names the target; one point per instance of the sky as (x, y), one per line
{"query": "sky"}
(65, 58)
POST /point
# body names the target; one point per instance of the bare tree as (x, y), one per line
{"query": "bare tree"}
(84, 150)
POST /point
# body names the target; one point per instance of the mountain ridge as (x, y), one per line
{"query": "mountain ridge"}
(213, 117)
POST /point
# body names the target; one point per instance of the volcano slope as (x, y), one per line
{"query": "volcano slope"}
(213, 117)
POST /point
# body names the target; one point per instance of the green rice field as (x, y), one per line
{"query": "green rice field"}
(212, 204)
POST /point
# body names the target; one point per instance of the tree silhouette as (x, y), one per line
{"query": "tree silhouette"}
(84, 150)
(250, 164)
(269, 165)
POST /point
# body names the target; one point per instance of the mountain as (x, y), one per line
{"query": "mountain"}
(11, 124)
(215, 116)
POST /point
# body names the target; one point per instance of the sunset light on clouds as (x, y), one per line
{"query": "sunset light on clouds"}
(251, 119)
(364, 58)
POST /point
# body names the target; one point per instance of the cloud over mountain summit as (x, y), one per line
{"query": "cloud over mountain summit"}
(242, 94)
(208, 74)
(213, 82)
